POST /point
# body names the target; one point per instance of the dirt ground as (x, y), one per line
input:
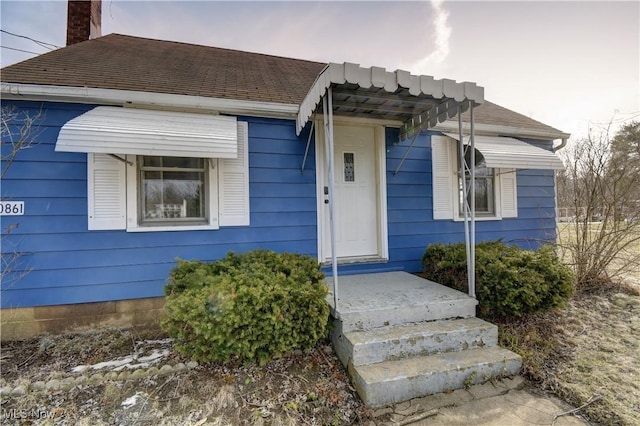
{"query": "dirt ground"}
(302, 388)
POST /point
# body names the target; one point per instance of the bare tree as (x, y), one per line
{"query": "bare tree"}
(19, 131)
(598, 191)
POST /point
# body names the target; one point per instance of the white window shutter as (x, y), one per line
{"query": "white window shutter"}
(106, 195)
(233, 175)
(508, 192)
(444, 185)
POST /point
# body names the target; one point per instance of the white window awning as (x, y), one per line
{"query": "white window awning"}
(508, 153)
(114, 130)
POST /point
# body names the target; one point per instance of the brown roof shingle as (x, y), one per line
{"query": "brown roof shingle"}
(132, 63)
(494, 114)
(124, 62)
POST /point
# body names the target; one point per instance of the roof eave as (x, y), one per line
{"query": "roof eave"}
(90, 95)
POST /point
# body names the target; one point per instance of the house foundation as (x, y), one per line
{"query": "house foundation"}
(25, 323)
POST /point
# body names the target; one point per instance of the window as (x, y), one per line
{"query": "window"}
(349, 167)
(142, 193)
(496, 188)
(173, 190)
(484, 186)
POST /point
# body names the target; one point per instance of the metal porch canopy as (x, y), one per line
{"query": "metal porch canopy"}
(415, 102)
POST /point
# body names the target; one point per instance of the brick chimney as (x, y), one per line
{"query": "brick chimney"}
(84, 20)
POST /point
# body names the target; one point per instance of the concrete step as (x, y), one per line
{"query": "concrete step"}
(396, 298)
(394, 316)
(420, 339)
(390, 382)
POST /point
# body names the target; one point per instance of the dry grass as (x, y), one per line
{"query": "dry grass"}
(588, 349)
(605, 358)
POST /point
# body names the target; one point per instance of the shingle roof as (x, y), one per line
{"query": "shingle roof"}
(132, 63)
(124, 62)
(494, 114)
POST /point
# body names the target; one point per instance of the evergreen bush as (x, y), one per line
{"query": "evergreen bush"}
(251, 307)
(510, 281)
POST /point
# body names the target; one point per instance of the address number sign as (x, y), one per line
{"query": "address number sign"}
(11, 208)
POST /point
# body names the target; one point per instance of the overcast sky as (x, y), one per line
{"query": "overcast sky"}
(570, 64)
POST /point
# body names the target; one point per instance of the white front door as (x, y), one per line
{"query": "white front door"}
(356, 194)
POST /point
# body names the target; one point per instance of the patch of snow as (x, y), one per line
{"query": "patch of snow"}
(131, 362)
(80, 369)
(115, 363)
(166, 341)
(132, 400)
(154, 356)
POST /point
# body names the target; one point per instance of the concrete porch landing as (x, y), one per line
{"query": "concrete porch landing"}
(394, 298)
(403, 337)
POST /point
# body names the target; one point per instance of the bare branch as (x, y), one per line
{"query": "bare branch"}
(19, 131)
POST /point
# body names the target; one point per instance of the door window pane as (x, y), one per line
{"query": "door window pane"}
(349, 167)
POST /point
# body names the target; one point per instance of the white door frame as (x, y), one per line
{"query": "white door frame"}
(381, 188)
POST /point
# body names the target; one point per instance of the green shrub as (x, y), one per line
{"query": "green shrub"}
(510, 281)
(251, 307)
(189, 275)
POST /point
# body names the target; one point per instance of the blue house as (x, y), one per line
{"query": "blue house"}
(144, 151)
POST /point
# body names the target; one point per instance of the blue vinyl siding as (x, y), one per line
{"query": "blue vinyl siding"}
(62, 262)
(410, 209)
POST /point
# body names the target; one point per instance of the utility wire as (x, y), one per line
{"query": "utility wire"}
(38, 42)
(29, 38)
(19, 50)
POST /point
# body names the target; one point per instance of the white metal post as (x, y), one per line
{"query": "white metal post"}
(462, 175)
(327, 109)
(472, 258)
